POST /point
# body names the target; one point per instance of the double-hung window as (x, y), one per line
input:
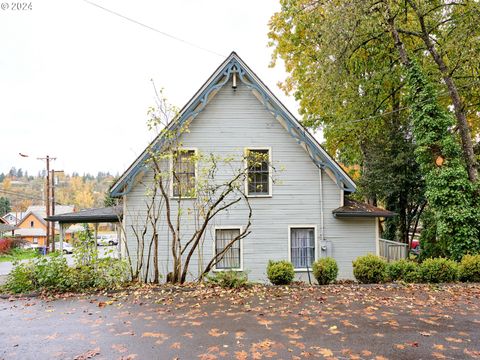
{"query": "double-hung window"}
(183, 174)
(231, 259)
(302, 247)
(258, 172)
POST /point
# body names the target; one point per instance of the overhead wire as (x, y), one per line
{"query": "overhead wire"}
(155, 29)
(23, 195)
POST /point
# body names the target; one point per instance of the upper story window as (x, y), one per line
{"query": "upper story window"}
(32, 224)
(183, 174)
(258, 172)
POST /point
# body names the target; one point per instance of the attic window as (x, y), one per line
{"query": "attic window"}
(31, 224)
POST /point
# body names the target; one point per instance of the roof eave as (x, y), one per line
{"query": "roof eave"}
(362, 215)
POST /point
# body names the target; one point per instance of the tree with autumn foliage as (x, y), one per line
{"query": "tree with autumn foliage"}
(347, 74)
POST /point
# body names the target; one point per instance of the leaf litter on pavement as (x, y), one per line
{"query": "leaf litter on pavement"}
(343, 321)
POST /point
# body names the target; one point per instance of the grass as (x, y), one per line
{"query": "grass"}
(19, 254)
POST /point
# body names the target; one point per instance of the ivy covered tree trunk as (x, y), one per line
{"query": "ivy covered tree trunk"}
(451, 196)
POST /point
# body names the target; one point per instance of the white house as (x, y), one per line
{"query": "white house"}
(301, 216)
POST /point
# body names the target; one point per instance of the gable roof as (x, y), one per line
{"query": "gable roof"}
(34, 214)
(41, 211)
(233, 64)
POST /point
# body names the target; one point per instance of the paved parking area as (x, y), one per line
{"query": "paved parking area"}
(332, 322)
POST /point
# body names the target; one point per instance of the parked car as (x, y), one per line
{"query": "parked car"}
(415, 249)
(67, 248)
(104, 240)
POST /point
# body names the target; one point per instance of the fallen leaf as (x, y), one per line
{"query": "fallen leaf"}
(216, 333)
(88, 354)
(455, 340)
(325, 352)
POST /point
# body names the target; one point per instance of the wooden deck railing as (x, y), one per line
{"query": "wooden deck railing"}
(393, 250)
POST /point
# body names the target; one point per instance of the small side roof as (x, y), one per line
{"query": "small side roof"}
(353, 208)
(106, 214)
(6, 227)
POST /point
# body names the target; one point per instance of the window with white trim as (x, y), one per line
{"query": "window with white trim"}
(302, 247)
(231, 258)
(258, 172)
(183, 174)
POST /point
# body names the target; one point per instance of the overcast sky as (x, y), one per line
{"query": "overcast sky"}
(75, 79)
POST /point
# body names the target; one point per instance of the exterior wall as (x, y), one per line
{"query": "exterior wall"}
(37, 224)
(232, 121)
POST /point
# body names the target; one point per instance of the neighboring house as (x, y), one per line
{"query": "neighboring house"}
(5, 227)
(303, 216)
(33, 227)
(13, 218)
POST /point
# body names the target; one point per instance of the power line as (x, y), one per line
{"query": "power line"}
(154, 29)
(23, 195)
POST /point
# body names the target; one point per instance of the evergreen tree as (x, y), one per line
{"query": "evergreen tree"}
(5, 206)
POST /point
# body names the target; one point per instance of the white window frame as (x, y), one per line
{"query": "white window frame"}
(315, 237)
(195, 150)
(233, 227)
(270, 182)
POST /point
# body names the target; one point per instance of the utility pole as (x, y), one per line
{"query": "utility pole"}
(52, 208)
(52, 224)
(48, 200)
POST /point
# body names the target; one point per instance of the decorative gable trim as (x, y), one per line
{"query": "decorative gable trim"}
(234, 66)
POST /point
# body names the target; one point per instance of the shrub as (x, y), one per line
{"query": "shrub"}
(229, 279)
(22, 278)
(325, 270)
(5, 246)
(369, 269)
(52, 273)
(280, 272)
(469, 269)
(437, 270)
(403, 270)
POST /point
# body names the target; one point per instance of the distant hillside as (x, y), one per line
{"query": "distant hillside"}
(84, 191)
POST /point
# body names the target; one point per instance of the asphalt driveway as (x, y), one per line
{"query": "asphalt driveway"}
(333, 322)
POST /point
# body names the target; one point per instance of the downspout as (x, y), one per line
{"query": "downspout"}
(322, 230)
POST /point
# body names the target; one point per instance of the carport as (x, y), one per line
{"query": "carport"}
(96, 216)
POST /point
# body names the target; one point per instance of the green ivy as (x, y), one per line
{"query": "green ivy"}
(451, 197)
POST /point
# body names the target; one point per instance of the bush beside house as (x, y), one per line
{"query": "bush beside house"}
(369, 269)
(280, 272)
(229, 279)
(438, 270)
(325, 270)
(469, 268)
(402, 270)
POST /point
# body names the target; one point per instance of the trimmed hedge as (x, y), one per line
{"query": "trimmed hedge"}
(438, 270)
(469, 268)
(403, 270)
(369, 269)
(325, 270)
(280, 272)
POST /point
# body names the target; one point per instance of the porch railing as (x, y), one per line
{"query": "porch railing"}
(393, 250)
